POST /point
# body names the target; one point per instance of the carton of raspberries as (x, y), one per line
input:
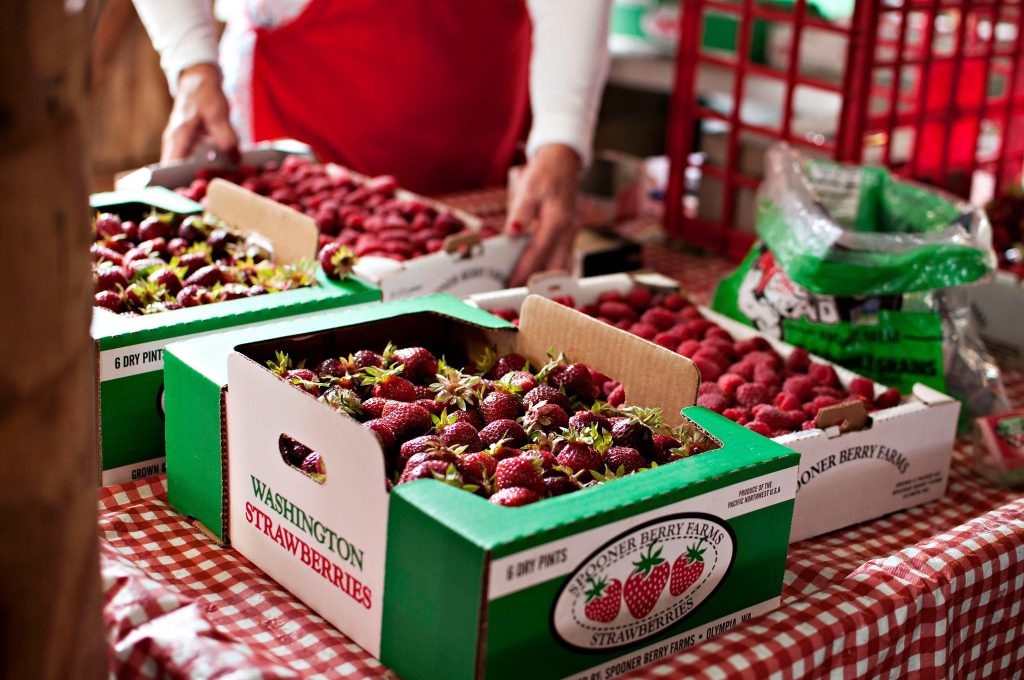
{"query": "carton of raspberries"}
(370, 215)
(167, 262)
(746, 380)
(500, 428)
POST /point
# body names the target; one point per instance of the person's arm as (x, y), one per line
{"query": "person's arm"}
(185, 35)
(568, 67)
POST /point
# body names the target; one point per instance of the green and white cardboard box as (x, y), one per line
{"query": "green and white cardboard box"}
(467, 264)
(129, 350)
(899, 459)
(438, 582)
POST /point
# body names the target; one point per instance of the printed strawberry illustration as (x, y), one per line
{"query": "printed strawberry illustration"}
(687, 569)
(645, 583)
(604, 600)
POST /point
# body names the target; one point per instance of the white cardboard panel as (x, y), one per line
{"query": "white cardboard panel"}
(352, 502)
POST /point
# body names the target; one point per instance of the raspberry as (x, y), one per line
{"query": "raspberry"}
(796, 416)
(823, 391)
(623, 324)
(780, 433)
(751, 394)
(759, 427)
(774, 418)
(738, 414)
(675, 302)
(862, 387)
(744, 347)
(662, 319)
(766, 375)
(743, 370)
(718, 332)
(639, 298)
(723, 347)
(617, 311)
(566, 300)
(711, 355)
(609, 296)
(697, 328)
(730, 382)
(798, 360)
(716, 402)
(709, 370)
(764, 358)
(887, 399)
(823, 374)
(787, 401)
(709, 388)
(668, 339)
(800, 386)
(819, 403)
(688, 348)
(643, 330)
(690, 313)
(809, 425)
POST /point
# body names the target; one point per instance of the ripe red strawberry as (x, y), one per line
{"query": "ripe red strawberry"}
(506, 364)
(514, 497)
(549, 394)
(639, 298)
(887, 399)
(750, 395)
(153, 227)
(293, 452)
(337, 260)
(477, 468)
(429, 469)
(646, 582)
(580, 457)
(107, 224)
(617, 397)
(420, 365)
(520, 380)
(634, 434)
(604, 600)
(109, 299)
(207, 276)
(863, 388)
(545, 417)
(109, 277)
(520, 471)
(416, 445)
(374, 406)
(500, 405)
(625, 457)
(365, 358)
(560, 484)
(461, 433)
(504, 429)
(584, 419)
(389, 384)
(407, 420)
(385, 435)
(577, 379)
(312, 464)
(686, 569)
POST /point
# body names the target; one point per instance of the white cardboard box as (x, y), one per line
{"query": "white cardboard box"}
(899, 460)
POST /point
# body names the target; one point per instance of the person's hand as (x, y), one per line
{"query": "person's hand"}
(200, 113)
(545, 203)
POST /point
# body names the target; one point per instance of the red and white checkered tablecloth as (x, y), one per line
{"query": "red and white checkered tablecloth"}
(933, 591)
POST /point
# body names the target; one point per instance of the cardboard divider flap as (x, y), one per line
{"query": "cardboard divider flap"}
(661, 377)
(292, 235)
(297, 530)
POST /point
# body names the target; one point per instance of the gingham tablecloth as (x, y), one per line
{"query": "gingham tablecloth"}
(933, 591)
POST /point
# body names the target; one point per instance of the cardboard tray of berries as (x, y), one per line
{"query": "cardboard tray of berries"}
(865, 450)
(407, 244)
(158, 269)
(453, 547)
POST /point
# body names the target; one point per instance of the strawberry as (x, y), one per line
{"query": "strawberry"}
(337, 260)
(109, 299)
(507, 364)
(407, 420)
(420, 365)
(477, 468)
(461, 433)
(365, 358)
(388, 384)
(500, 405)
(521, 471)
(646, 582)
(633, 434)
(385, 435)
(662, 446)
(520, 381)
(293, 452)
(639, 298)
(549, 394)
(107, 224)
(628, 459)
(584, 419)
(545, 417)
(686, 569)
(514, 497)
(576, 379)
(579, 455)
(499, 430)
(863, 388)
(455, 389)
(426, 470)
(416, 445)
(558, 485)
(675, 302)
(313, 465)
(617, 396)
(604, 600)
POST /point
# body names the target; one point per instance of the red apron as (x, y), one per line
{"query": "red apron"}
(434, 93)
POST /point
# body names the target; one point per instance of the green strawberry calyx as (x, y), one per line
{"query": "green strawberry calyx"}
(694, 552)
(596, 589)
(648, 561)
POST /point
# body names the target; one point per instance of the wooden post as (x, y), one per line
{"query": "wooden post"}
(50, 603)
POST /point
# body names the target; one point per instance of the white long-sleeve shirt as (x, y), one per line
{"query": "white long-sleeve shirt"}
(568, 64)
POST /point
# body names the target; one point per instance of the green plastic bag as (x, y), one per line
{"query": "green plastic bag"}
(869, 272)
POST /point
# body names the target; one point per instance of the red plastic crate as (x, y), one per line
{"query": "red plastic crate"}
(930, 88)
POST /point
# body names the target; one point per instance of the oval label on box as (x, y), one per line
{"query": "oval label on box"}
(643, 581)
